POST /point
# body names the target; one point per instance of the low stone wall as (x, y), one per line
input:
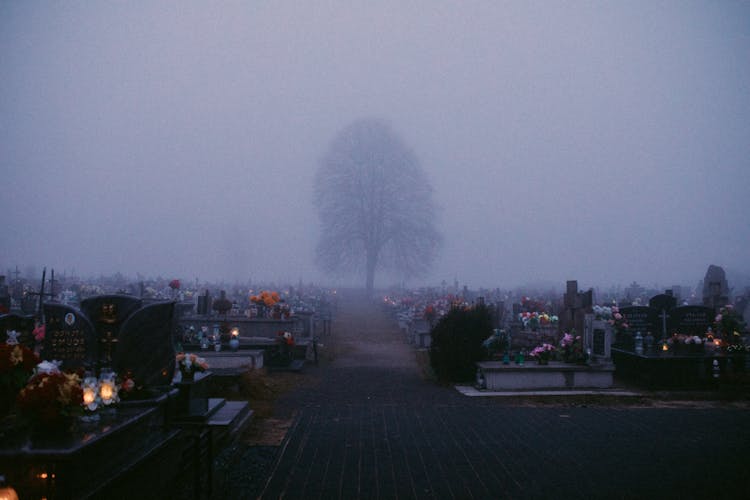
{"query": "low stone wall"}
(557, 375)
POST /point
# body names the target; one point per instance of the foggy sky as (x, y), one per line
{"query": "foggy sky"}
(600, 141)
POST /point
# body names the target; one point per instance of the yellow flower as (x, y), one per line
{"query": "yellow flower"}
(16, 356)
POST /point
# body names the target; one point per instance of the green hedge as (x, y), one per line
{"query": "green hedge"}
(457, 343)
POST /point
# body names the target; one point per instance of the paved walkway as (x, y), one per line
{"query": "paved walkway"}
(375, 429)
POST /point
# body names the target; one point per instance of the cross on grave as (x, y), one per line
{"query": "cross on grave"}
(664, 317)
(108, 341)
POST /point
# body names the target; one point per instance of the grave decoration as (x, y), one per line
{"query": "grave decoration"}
(729, 325)
(51, 398)
(571, 348)
(543, 353)
(17, 364)
(21, 326)
(189, 365)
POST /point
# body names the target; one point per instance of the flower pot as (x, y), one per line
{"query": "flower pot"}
(188, 375)
(542, 361)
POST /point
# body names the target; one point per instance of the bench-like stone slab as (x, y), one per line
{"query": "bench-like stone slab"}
(556, 375)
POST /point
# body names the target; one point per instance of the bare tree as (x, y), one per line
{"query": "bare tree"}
(375, 205)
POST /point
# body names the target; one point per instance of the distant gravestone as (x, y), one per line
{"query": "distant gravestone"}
(642, 319)
(22, 325)
(145, 345)
(108, 313)
(691, 320)
(69, 338)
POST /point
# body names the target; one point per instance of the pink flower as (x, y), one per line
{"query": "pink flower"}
(39, 333)
(718, 318)
(618, 316)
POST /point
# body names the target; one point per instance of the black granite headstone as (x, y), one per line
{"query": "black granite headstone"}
(22, 325)
(662, 301)
(642, 319)
(69, 338)
(108, 313)
(145, 345)
(691, 320)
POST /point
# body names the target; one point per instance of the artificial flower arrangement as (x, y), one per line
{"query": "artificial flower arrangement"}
(51, 396)
(618, 320)
(285, 338)
(602, 312)
(17, 364)
(533, 320)
(729, 324)
(543, 353)
(266, 298)
(189, 364)
(571, 346)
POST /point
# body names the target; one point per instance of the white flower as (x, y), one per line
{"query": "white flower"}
(48, 367)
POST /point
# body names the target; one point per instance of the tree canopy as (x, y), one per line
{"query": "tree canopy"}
(375, 205)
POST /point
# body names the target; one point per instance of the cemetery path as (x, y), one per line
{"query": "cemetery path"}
(372, 427)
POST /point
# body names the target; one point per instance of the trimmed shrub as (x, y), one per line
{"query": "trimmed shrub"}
(457, 343)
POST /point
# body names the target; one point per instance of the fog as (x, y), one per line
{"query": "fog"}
(600, 141)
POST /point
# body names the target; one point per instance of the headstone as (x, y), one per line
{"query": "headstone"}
(22, 325)
(597, 339)
(69, 338)
(663, 303)
(715, 288)
(145, 345)
(691, 320)
(108, 313)
(642, 319)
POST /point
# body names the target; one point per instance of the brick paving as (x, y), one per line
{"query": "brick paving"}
(376, 429)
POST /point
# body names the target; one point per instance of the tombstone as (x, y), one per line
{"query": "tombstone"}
(69, 338)
(691, 320)
(22, 325)
(663, 303)
(204, 304)
(597, 339)
(107, 313)
(642, 319)
(715, 288)
(4, 296)
(145, 345)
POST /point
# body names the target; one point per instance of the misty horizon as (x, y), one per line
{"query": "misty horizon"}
(606, 142)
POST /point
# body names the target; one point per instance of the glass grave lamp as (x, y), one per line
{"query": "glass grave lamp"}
(91, 398)
(234, 341)
(108, 388)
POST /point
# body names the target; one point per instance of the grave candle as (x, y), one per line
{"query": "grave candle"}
(88, 395)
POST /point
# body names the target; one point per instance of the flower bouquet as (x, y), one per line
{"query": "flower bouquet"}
(543, 353)
(571, 346)
(189, 364)
(730, 325)
(17, 364)
(51, 398)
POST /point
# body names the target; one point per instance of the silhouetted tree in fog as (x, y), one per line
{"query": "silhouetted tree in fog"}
(375, 205)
